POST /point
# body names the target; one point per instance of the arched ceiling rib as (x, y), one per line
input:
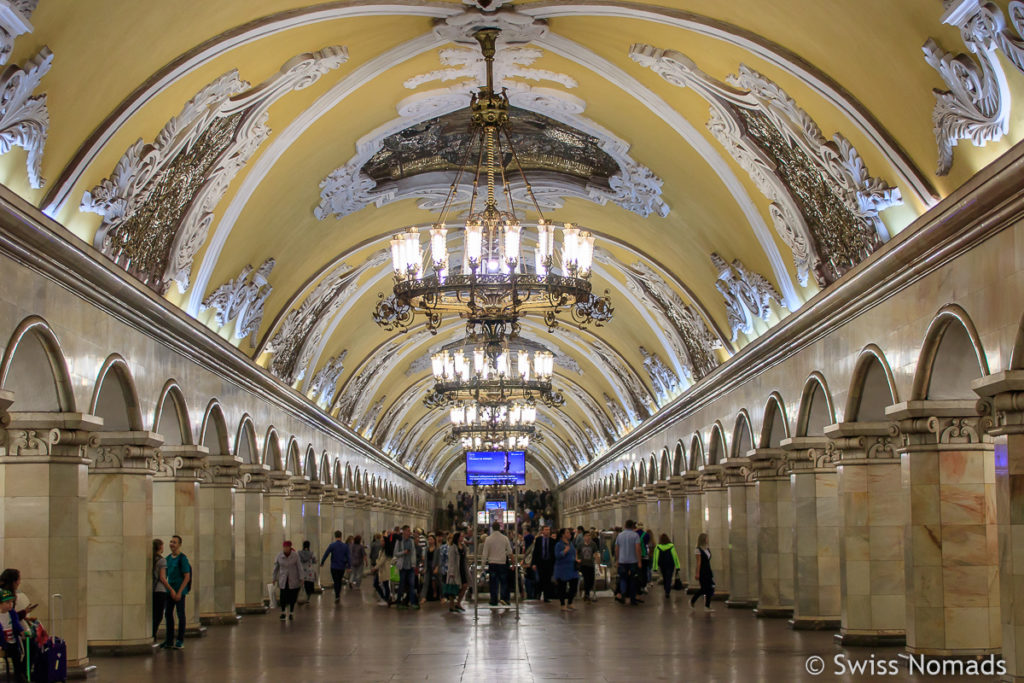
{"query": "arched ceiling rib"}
(671, 298)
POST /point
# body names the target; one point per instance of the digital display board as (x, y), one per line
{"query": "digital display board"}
(495, 505)
(487, 468)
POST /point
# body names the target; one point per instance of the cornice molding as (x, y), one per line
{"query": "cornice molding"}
(45, 247)
(987, 204)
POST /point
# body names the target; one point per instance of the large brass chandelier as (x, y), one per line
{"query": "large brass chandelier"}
(490, 280)
(509, 424)
(491, 372)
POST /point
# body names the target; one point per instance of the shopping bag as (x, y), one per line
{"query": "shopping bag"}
(272, 595)
(395, 576)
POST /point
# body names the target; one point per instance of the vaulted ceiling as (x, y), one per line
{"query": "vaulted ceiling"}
(249, 160)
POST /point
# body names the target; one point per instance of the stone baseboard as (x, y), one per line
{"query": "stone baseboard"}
(880, 639)
(131, 649)
(220, 619)
(195, 631)
(252, 609)
(773, 612)
(814, 624)
(80, 671)
(741, 604)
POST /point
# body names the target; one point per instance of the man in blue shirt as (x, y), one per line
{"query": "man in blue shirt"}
(340, 561)
(627, 556)
(179, 577)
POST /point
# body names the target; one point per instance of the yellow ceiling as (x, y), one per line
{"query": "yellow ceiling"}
(870, 50)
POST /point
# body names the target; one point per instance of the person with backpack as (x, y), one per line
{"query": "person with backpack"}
(357, 552)
(308, 562)
(179, 580)
(667, 562)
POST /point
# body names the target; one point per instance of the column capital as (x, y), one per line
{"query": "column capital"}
(863, 442)
(253, 478)
(298, 486)
(126, 452)
(808, 453)
(180, 462)
(1005, 393)
(36, 437)
(927, 424)
(737, 471)
(768, 463)
(221, 471)
(279, 483)
(711, 476)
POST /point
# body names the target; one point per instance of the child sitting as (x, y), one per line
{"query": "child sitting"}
(12, 635)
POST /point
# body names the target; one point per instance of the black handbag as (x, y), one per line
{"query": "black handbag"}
(677, 585)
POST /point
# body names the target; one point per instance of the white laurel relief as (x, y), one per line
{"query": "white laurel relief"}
(24, 119)
(242, 300)
(14, 21)
(368, 420)
(622, 421)
(626, 381)
(137, 174)
(747, 295)
(355, 395)
(324, 384)
(977, 105)
(347, 190)
(665, 382)
(836, 160)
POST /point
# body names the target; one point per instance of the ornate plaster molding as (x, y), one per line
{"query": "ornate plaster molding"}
(665, 382)
(190, 164)
(297, 328)
(515, 28)
(824, 204)
(695, 341)
(748, 295)
(977, 105)
(347, 189)
(324, 384)
(242, 300)
(24, 119)
(14, 21)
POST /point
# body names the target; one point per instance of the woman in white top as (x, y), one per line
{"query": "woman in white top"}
(160, 585)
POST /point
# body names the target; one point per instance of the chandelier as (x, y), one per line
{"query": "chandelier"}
(491, 373)
(492, 280)
(495, 416)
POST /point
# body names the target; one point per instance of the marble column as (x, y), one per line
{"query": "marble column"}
(677, 522)
(662, 522)
(695, 522)
(742, 531)
(217, 539)
(1005, 392)
(871, 530)
(648, 509)
(328, 500)
(311, 516)
(951, 546)
(274, 518)
(176, 511)
(294, 505)
(120, 511)
(716, 524)
(44, 480)
(814, 485)
(774, 496)
(250, 588)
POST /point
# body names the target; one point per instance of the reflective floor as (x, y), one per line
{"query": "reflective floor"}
(604, 641)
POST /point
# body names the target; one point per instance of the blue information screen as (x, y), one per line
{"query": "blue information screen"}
(495, 505)
(486, 468)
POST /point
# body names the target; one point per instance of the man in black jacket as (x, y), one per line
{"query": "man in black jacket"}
(543, 561)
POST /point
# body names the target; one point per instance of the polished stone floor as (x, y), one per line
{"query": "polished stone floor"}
(604, 641)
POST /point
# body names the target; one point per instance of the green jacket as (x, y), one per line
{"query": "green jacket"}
(665, 548)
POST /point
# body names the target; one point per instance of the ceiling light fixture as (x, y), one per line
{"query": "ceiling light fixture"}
(492, 282)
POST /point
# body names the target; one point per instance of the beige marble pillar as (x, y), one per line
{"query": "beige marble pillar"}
(716, 525)
(774, 496)
(294, 505)
(1005, 392)
(328, 500)
(176, 512)
(217, 539)
(250, 588)
(951, 546)
(871, 522)
(695, 522)
(648, 509)
(120, 511)
(741, 517)
(311, 515)
(44, 479)
(661, 523)
(814, 485)
(274, 517)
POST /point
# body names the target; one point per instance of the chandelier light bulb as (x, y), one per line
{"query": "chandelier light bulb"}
(474, 244)
(586, 253)
(439, 246)
(570, 247)
(398, 256)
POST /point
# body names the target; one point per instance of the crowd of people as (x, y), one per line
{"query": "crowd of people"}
(532, 507)
(409, 564)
